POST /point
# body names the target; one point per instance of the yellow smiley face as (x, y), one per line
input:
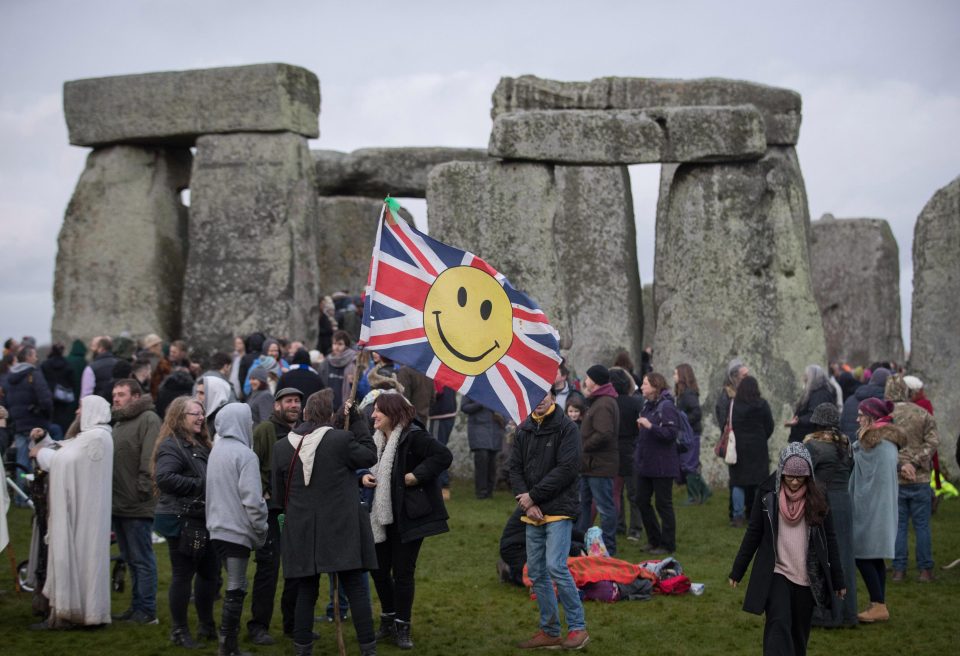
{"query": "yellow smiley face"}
(468, 320)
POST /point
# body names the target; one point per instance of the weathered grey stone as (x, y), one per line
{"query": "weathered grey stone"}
(934, 334)
(122, 245)
(649, 316)
(587, 137)
(780, 107)
(252, 262)
(855, 267)
(733, 279)
(564, 235)
(346, 231)
(376, 172)
(178, 106)
(664, 134)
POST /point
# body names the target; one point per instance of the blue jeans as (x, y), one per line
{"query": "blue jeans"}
(599, 489)
(914, 502)
(547, 549)
(739, 499)
(136, 547)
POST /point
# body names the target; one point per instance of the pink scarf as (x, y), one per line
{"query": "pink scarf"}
(792, 504)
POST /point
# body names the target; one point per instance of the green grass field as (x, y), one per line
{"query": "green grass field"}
(461, 608)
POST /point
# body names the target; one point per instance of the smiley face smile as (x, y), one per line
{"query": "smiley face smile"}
(467, 358)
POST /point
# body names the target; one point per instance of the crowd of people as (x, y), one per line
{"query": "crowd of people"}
(335, 461)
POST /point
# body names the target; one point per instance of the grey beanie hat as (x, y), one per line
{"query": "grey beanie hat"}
(826, 415)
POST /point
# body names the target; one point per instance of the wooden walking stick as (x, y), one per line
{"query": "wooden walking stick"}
(362, 359)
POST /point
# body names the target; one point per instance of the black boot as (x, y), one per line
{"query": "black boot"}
(303, 650)
(230, 623)
(369, 649)
(180, 636)
(207, 631)
(403, 635)
(388, 626)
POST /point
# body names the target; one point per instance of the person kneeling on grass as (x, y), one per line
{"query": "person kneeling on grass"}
(791, 519)
(544, 473)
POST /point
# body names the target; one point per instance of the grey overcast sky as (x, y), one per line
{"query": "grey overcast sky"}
(879, 80)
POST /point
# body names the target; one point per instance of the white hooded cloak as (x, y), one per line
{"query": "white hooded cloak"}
(78, 530)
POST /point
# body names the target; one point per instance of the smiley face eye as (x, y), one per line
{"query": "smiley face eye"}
(462, 296)
(485, 309)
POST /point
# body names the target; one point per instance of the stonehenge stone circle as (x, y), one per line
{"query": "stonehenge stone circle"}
(733, 280)
(376, 172)
(177, 107)
(855, 268)
(666, 134)
(780, 107)
(558, 233)
(122, 245)
(934, 332)
(252, 261)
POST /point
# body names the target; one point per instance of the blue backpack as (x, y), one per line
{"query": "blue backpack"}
(685, 435)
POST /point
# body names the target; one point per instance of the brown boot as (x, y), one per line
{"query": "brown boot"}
(541, 640)
(926, 576)
(875, 613)
(899, 576)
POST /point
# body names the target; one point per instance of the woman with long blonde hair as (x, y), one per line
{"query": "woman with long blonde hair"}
(179, 473)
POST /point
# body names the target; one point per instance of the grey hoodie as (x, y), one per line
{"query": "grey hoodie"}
(236, 511)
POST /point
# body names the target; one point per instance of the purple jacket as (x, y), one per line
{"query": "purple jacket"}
(656, 454)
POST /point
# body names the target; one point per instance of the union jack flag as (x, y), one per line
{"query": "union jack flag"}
(471, 331)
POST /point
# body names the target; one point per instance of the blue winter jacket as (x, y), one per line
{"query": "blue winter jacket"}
(27, 398)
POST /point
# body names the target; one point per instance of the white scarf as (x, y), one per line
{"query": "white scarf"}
(308, 450)
(381, 513)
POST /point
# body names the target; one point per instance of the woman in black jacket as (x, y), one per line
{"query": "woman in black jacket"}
(407, 507)
(752, 425)
(796, 565)
(179, 473)
(817, 389)
(832, 464)
(325, 529)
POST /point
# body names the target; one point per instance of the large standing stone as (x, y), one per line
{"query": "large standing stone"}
(177, 107)
(252, 263)
(665, 134)
(376, 172)
(733, 279)
(565, 235)
(934, 332)
(855, 267)
(780, 107)
(122, 245)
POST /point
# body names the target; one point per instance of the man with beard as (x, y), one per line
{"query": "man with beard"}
(135, 429)
(286, 414)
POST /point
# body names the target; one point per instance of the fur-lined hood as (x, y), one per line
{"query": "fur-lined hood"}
(871, 435)
(133, 409)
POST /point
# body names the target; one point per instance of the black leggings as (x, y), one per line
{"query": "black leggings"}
(351, 582)
(874, 573)
(661, 532)
(207, 570)
(789, 613)
(394, 579)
